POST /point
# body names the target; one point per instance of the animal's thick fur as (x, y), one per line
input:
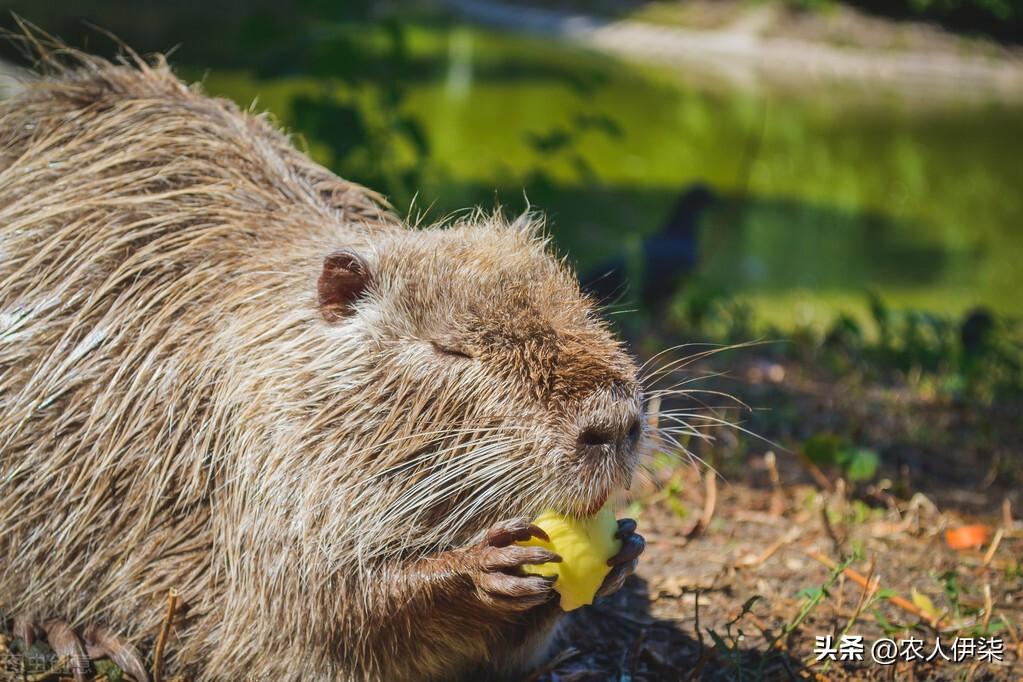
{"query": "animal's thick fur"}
(175, 413)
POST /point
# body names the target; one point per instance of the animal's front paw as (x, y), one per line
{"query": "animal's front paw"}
(624, 563)
(496, 567)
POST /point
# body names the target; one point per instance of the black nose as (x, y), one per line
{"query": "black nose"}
(625, 434)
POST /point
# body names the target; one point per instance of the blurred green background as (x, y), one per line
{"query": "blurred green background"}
(840, 214)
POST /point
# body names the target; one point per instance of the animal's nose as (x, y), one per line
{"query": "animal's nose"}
(617, 431)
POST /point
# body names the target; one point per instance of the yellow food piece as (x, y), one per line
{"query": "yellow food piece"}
(584, 545)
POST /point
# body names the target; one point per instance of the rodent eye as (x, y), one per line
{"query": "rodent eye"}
(451, 348)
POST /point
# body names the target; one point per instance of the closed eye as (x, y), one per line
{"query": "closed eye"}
(452, 350)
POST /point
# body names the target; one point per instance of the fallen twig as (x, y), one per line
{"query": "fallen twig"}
(777, 503)
(869, 588)
(898, 601)
(771, 550)
(666, 539)
(172, 605)
(701, 663)
(696, 616)
(710, 500)
(990, 553)
(836, 543)
(1011, 628)
(815, 472)
(988, 606)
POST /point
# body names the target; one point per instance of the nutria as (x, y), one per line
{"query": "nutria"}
(227, 372)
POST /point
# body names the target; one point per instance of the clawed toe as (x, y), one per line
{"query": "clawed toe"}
(514, 592)
(514, 530)
(616, 578)
(515, 556)
(497, 562)
(102, 643)
(66, 645)
(26, 630)
(632, 546)
(625, 527)
(623, 564)
(75, 653)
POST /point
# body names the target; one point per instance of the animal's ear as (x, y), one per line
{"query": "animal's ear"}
(342, 282)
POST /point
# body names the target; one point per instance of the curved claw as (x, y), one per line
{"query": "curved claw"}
(515, 593)
(515, 556)
(507, 532)
(632, 546)
(101, 642)
(496, 563)
(25, 629)
(65, 643)
(616, 578)
(623, 564)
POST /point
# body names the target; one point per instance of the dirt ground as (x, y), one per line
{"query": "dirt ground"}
(742, 570)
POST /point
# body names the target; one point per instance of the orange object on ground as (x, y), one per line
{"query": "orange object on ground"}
(967, 537)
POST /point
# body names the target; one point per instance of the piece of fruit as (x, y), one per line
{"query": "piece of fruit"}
(584, 545)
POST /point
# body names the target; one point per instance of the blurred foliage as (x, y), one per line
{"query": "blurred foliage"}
(845, 188)
(998, 18)
(978, 357)
(357, 50)
(829, 450)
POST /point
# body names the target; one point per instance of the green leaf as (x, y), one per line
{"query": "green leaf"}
(823, 448)
(110, 669)
(718, 640)
(885, 624)
(811, 593)
(860, 464)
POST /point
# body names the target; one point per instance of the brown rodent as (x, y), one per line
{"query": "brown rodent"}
(226, 372)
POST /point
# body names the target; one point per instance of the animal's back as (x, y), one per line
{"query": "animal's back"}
(143, 229)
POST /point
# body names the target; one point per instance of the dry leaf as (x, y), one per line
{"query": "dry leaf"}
(924, 603)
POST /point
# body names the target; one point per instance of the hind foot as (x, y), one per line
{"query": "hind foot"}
(75, 654)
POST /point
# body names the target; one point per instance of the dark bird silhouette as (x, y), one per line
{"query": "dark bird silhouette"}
(976, 329)
(666, 256)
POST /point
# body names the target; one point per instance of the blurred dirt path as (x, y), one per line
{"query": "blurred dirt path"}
(739, 54)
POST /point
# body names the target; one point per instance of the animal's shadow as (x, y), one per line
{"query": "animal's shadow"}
(622, 638)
